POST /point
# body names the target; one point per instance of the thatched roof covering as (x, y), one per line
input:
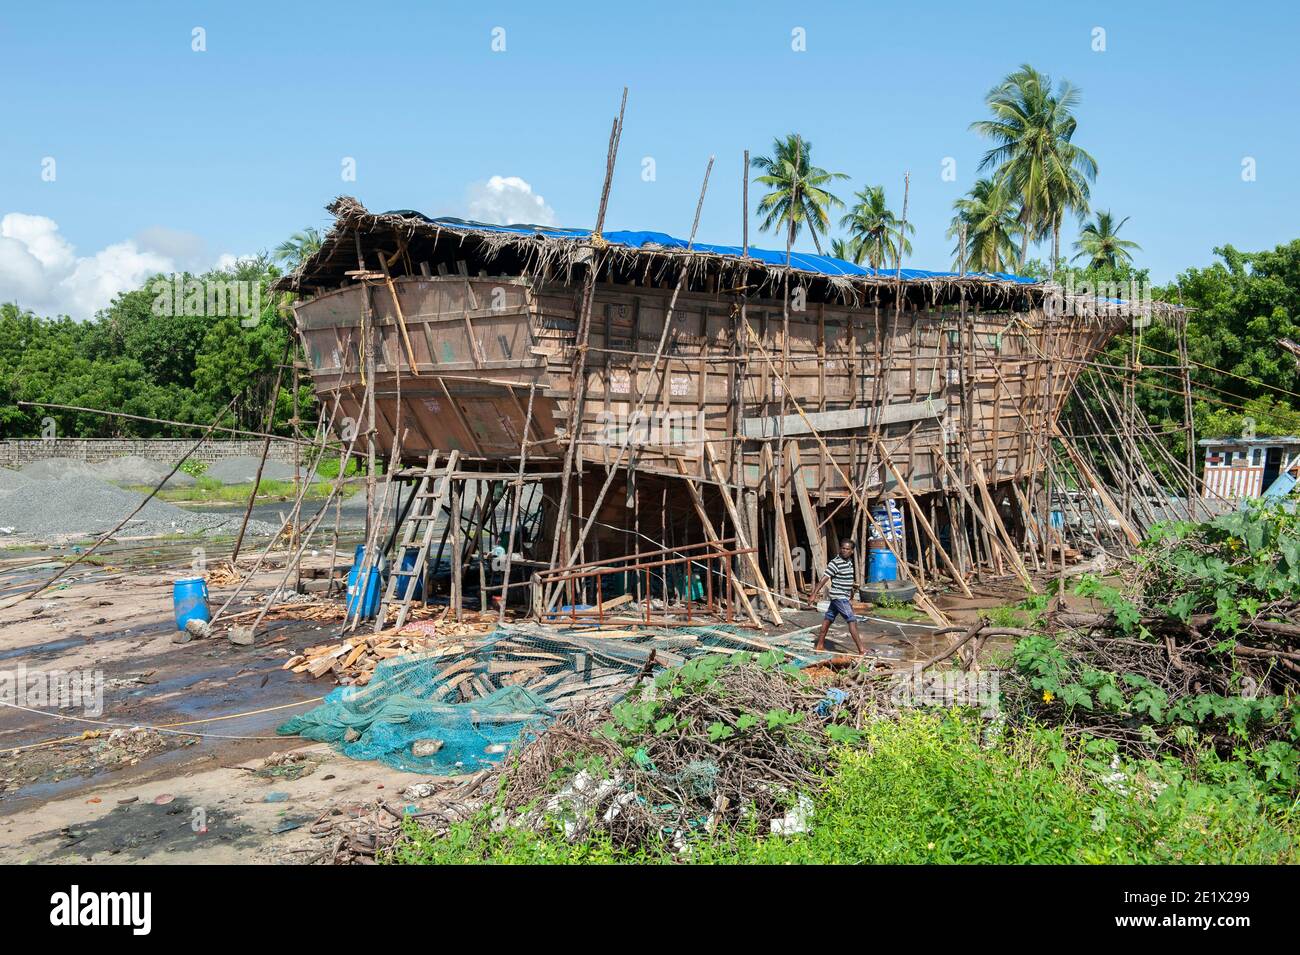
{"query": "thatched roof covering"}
(406, 238)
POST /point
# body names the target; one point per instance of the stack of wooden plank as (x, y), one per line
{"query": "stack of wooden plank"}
(566, 667)
(352, 661)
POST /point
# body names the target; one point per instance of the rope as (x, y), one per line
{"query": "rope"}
(162, 728)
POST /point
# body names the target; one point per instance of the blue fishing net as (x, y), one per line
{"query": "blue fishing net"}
(402, 712)
(414, 714)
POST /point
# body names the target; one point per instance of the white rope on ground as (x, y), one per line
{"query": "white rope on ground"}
(901, 623)
(165, 728)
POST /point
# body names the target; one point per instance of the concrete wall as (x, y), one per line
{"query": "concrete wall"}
(14, 453)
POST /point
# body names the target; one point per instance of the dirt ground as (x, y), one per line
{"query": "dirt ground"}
(85, 792)
(91, 796)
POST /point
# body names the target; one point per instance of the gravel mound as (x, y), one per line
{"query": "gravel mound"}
(133, 469)
(87, 507)
(243, 470)
(58, 469)
(9, 480)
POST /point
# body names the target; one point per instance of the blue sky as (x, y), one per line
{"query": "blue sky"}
(167, 155)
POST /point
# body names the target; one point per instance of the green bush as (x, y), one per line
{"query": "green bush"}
(924, 789)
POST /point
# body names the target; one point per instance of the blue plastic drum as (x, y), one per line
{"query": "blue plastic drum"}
(364, 599)
(882, 565)
(190, 601)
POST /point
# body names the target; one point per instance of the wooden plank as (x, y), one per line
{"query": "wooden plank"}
(806, 510)
(767, 428)
(750, 558)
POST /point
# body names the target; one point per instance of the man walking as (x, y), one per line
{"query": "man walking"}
(840, 573)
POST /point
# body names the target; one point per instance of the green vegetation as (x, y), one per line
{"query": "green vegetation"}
(895, 610)
(927, 789)
(1100, 244)
(1034, 153)
(144, 356)
(209, 491)
(799, 196)
(1163, 729)
(875, 232)
(990, 219)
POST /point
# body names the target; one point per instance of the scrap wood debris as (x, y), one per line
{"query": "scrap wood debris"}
(355, 837)
(745, 740)
(352, 661)
(463, 704)
(725, 763)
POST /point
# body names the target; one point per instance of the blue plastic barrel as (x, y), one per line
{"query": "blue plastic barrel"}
(365, 597)
(190, 600)
(357, 557)
(882, 565)
(407, 572)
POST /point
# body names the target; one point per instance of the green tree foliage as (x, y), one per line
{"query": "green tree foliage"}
(989, 216)
(799, 193)
(1243, 304)
(875, 233)
(1239, 308)
(298, 247)
(152, 352)
(1100, 244)
(1034, 154)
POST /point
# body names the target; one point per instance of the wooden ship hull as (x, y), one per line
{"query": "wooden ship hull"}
(459, 374)
(717, 393)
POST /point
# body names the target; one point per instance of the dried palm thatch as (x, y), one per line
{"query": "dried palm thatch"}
(559, 254)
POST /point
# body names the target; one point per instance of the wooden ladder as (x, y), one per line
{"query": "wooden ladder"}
(420, 520)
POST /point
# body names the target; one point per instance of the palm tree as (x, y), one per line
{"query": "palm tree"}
(990, 219)
(298, 247)
(1033, 128)
(875, 230)
(798, 195)
(848, 251)
(1100, 242)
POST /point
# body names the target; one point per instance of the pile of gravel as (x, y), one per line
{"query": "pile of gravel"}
(9, 480)
(58, 469)
(133, 469)
(243, 470)
(87, 507)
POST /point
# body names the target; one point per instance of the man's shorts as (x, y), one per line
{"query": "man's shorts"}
(840, 607)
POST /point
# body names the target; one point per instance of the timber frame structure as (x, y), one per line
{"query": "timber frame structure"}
(663, 395)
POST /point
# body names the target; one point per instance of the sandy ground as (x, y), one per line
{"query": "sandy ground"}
(117, 623)
(212, 809)
(160, 798)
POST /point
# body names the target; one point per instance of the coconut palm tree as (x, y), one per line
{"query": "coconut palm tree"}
(1100, 242)
(299, 247)
(847, 250)
(878, 234)
(798, 196)
(1033, 129)
(990, 218)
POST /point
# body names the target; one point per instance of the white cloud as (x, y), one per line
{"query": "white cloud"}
(41, 271)
(508, 200)
(187, 250)
(228, 261)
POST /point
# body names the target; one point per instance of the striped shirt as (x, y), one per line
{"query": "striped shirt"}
(840, 573)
